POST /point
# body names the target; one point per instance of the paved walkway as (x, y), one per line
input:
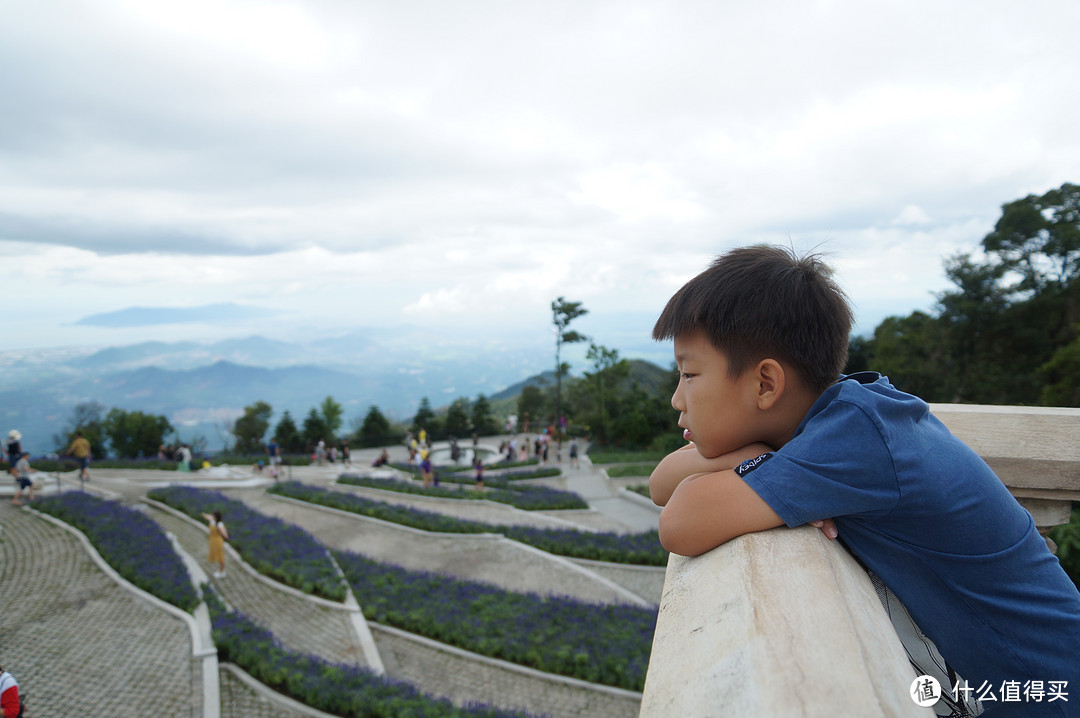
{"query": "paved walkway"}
(79, 644)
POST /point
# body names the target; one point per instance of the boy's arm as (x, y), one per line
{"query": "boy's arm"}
(687, 461)
(710, 509)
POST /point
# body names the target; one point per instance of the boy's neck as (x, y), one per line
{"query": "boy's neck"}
(792, 408)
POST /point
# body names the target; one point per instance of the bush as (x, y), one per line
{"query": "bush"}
(527, 498)
(606, 644)
(1067, 538)
(129, 541)
(337, 688)
(641, 548)
(273, 547)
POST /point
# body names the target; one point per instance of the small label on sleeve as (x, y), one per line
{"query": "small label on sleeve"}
(747, 466)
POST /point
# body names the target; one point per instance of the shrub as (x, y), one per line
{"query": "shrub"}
(606, 644)
(273, 547)
(129, 541)
(641, 548)
(337, 688)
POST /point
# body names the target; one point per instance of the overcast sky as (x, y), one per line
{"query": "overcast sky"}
(326, 165)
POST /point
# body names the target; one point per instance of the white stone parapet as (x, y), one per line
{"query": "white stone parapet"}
(777, 623)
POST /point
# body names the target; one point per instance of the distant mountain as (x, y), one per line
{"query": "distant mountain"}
(542, 380)
(200, 387)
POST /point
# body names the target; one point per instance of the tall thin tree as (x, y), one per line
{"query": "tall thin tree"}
(562, 313)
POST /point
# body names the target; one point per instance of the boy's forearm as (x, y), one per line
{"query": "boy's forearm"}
(685, 462)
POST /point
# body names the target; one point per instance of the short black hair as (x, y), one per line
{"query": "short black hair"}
(765, 301)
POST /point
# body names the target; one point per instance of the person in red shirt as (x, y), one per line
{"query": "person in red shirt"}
(10, 705)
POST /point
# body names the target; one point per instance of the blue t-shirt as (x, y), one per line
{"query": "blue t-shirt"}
(923, 511)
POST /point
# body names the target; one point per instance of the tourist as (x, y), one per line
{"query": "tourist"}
(183, 458)
(22, 478)
(80, 449)
(346, 460)
(425, 468)
(382, 458)
(13, 447)
(479, 466)
(273, 453)
(575, 463)
(218, 537)
(10, 704)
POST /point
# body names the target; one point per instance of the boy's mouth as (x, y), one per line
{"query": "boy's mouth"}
(688, 435)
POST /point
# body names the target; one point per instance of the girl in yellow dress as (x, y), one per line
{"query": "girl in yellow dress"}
(218, 537)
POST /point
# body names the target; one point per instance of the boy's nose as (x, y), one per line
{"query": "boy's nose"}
(676, 399)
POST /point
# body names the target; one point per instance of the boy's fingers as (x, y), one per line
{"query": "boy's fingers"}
(827, 526)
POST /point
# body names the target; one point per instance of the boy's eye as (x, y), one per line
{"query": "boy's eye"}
(687, 375)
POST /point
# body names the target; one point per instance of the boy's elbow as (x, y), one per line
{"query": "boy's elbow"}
(683, 539)
(658, 494)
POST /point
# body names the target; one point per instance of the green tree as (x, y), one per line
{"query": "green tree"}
(1062, 376)
(250, 429)
(376, 429)
(1038, 238)
(315, 429)
(562, 313)
(87, 417)
(532, 406)
(133, 433)
(425, 419)
(483, 422)
(456, 422)
(602, 382)
(332, 414)
(288, 436)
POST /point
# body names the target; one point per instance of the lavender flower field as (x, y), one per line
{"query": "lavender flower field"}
(600, 643)
(340, 689)
(639, 549)
(273, 547)
(527, 498)
(129, 541)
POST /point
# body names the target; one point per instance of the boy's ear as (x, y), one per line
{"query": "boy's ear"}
(771, 381)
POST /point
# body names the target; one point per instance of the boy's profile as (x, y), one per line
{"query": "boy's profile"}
(777, 436)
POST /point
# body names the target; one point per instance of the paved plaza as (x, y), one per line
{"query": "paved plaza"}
(80, 644)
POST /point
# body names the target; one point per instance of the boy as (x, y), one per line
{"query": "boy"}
(760, 341)
(22, 476)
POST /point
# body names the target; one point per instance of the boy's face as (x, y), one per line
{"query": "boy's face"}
(719, 412)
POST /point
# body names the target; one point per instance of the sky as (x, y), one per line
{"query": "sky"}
(295, 169)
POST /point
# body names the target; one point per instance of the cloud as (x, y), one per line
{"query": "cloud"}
(340, 163)
(155, 316)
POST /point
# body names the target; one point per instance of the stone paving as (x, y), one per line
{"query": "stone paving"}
(78, 643)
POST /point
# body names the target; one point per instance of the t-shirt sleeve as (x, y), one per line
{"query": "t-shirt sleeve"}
(837, 466)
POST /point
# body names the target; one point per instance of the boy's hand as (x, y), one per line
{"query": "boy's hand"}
(827, 526)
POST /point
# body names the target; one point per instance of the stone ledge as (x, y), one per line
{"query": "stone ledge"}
(781, 622)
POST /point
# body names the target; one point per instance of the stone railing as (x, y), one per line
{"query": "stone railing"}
(786, 623)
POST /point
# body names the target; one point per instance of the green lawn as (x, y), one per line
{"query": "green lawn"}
(619, 471)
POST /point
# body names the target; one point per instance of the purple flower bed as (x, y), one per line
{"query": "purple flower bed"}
(129, 541)
(640, 548)
(273, 547)
(527, 498)
(336, 688)
(606, 644)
